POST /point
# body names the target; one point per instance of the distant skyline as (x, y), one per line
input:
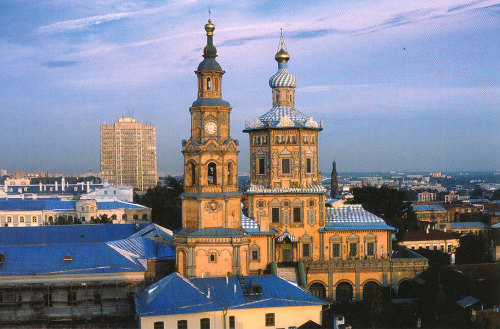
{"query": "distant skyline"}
(399, 85)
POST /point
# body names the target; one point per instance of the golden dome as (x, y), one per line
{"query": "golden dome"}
(209, 27)
(282, 56)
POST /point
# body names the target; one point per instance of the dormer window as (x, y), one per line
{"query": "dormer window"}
(67, 258)
(256, 289)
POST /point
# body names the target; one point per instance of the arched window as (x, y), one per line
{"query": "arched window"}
(136, 217)
(212, 173)
(371, 291)
(124, 216)
(216, 84)
(67, 258)
(144, 216)
(193, 174)
(230, 173)
(344, 292)
(2, 258)
(209, 84)
(318, 290)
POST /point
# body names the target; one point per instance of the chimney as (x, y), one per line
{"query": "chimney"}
(227, 280)
(235, 288)
(208, 293)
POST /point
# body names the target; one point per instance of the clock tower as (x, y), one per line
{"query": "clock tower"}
(211, 197)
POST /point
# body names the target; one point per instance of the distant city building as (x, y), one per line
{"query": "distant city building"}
(128, 154)
(443, 241)
(452, 196)
(432, 213)
(426, 196)
(19, 174)
(334, 183)
(3, 172)
(464, 228)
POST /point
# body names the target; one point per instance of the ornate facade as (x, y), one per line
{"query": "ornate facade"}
(340, 253)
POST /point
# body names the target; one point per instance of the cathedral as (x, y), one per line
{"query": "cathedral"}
(280, 225)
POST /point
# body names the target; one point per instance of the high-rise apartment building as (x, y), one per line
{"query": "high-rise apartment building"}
(128, 153)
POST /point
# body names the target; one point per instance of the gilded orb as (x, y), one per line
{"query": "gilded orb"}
(209, 27)
(282, 56)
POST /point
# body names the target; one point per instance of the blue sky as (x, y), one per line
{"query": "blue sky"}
(399, 85)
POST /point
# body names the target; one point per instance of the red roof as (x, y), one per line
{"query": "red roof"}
(432, 235)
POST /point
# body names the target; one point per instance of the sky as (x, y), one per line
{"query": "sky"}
(398, 85)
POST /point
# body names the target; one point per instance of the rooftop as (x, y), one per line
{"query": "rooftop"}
(176, 294)
(427, 207)
(432, 235)
(353, 217)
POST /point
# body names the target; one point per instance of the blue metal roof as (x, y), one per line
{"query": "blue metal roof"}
(210, 102)
(283, 78)
(175, 294)
(249, 224)
(220, 232)
(468, 225)
(66, 234)
(109, 205)
(142, 248)
(68, 189)
(353, 217)
(427, 207)
(48, 259)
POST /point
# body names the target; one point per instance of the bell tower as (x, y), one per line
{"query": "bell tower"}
(211, 197)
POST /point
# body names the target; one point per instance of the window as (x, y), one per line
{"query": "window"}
(47, 300)
(370, 249)
(182, 324)
(275, 215)
(212, 173)
(33, 219)
(71, 297)
(264, 140)
(255, 255)
(97, 297)
(261, 203)
(21, 219)
(209, 84)
(449, 248)
(212, 257)
(262, 166)
(205, 323)
(2, 258)
(124, 217)
(442, 248)
(353, 250)
(296, 215)
(9, 219)
(193, 174)
(285, 166)
(306, 250)
(232, 322)
(229, 173)
(335, 249)
(158, 325)
(136, 216)
(308, 165)
(269, 319)
(144, 216)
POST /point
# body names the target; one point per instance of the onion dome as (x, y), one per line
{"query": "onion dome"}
(210, 51)
(282, 78)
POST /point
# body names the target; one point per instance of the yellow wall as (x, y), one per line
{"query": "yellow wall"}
(253, 318)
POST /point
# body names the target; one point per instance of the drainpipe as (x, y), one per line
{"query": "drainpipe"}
(224, 314)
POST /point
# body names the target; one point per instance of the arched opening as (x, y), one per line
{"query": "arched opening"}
(407, 289)
(371, 292)
(209, 84)
(230, 173)
(144, 216)
(67, 258)
(124, 217)
(318, 290)
(193, 174)
(212, 173)
(344, 292)
(216, 84)
(136, 216)
(2, 258)
(51, 219)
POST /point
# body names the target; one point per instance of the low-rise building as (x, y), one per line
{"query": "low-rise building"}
(426, 196)
(242, 302)
(443, 241)
(464, 228)
(46, 211)
(433, 213)
(78, 272)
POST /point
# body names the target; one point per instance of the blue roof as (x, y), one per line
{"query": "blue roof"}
(109, 205)
(427, 207)
(48, 259)
(210, 102)
(249, 224)
(143, 248)
(353, 217)
(468, 225)
(68, 189)
(282, 78)
(219, 232)
(66, 234)
(176, 294)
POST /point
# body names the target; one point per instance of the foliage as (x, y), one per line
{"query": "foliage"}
(474, 249)
(496, 195)
(101, 219)
(165, 203)
(390, 204)
(66, 220)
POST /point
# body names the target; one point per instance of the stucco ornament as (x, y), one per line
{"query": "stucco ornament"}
(213, 206)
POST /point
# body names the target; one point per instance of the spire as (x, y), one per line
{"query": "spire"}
(282, 55)
(210, 50)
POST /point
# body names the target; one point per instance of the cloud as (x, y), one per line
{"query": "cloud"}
(52, 64)
(76, 24)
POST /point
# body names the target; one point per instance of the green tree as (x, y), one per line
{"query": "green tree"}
(474, 249)
(390, 204)
(101, 219)
(496, 195)
(165, 203)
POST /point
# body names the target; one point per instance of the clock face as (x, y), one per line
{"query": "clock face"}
(211, 128)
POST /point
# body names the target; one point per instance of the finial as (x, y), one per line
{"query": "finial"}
(209, 13)
(282, 55)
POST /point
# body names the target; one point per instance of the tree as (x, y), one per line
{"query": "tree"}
(390, 204)
(101, 219)
(165, 203)
(496, 195)
(473, 249)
